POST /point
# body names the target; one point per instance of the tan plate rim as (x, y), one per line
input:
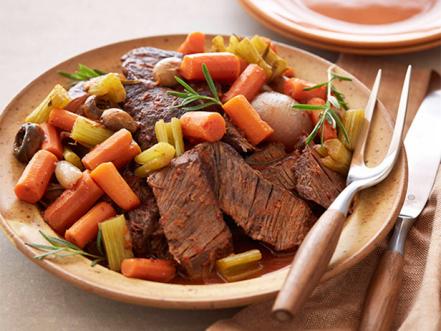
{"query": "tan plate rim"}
(301, 33)
(204, 303)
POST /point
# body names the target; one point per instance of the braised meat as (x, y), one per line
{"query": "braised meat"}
(193, 223)
(147, 235)
(265, 211)
(268, 155)
(236, 139)
(282, 172)
(314, 181)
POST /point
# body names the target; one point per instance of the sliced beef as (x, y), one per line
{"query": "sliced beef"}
(193, 223)
(268, 155)
(314, 181)
(265, 211)
(148, 238)
(236, 139)
(282, 172)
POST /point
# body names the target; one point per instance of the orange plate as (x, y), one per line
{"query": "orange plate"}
(294, 19)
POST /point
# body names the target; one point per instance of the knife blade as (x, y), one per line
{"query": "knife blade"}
(423, 157)
(423, 154)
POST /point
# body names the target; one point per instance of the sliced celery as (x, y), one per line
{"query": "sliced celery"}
(161, 131)
(239, 266)
(114, 233)
(218, 44)
(168, 127)
(334, 165)
(178, 137)
(156, 157)
(57, 98)
(249, 53)
(72, 158)
(89, 133)
(338, 151)
(353, 121)
(108, 85)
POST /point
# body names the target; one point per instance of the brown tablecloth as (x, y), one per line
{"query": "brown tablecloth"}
(337, 303)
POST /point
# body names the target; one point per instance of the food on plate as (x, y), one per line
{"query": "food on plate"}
(188, 166)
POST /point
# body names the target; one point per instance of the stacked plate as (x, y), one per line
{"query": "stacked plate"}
(373, 27)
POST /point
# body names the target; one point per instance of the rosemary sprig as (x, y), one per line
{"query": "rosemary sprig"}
(334, 100)
(190, 96)
(338, 95)
(62, 248)
(82, 73)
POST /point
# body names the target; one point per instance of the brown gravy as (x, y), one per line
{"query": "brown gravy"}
(369, 12)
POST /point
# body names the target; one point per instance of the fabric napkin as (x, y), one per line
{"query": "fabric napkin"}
(337, 303)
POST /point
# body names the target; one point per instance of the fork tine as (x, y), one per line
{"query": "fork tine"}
(401, 115)
(358, 155)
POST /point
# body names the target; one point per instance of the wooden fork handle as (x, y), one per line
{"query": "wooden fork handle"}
(309, 264)
(382, 297)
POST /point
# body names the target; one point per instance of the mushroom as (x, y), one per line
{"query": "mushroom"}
(94, 106)
(116, 119)
(165, 71)
(27, 141)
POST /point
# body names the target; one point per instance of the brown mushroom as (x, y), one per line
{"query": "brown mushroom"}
(94, 106)
(116, 119)
(165, 71)
(27, 141)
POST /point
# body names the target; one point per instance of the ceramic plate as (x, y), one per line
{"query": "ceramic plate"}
(373, 216)
(320, 23)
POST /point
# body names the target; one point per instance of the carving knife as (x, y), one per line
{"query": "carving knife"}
(423, 150)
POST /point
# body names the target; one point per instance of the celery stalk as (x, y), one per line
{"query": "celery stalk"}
(218, 44)
(156, 157)
(89, 133)
(57, 98)
(161, 131)
(239, 266)
(114, 232)
(334, 165)
(108, 85)
(178, 137)
(338, 151)
(353, 122)
(72, 158)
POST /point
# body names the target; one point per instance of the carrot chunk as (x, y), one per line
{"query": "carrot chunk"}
(157, 270)
(295, 88)
(132, 150)
(52, 141)
(72, 204)
(109, 179)
(222, 66)
(244, 116)
(328, 131)
(203, 125)
(36, 176)
(62, 119)
(86, 228)
(248, 84)
(111, 149)
(194, 43)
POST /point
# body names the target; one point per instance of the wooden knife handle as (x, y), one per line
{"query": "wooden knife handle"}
(382, 297)
(309, 264)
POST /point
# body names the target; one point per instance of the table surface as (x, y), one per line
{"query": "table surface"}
(36, 35)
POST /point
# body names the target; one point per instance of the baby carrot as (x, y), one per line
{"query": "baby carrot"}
(132, 150)
(248, 84)
(157, 270)
(36, 176)
(203, 125)
(222, 66)
(52, 141)
(194, 43)
(244, 116)
(62, 119)
(86, 228)
(109, 179)
(295, 88)
(110, 149)
(328, 131)
(72, 204)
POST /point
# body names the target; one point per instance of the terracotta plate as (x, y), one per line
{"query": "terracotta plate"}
(372, 218)
(342, 26)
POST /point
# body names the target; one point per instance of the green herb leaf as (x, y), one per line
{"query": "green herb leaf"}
(210, 82)
(315, 86)
(302, 106)
(99, 241)
(82, 73)
(60, 246)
